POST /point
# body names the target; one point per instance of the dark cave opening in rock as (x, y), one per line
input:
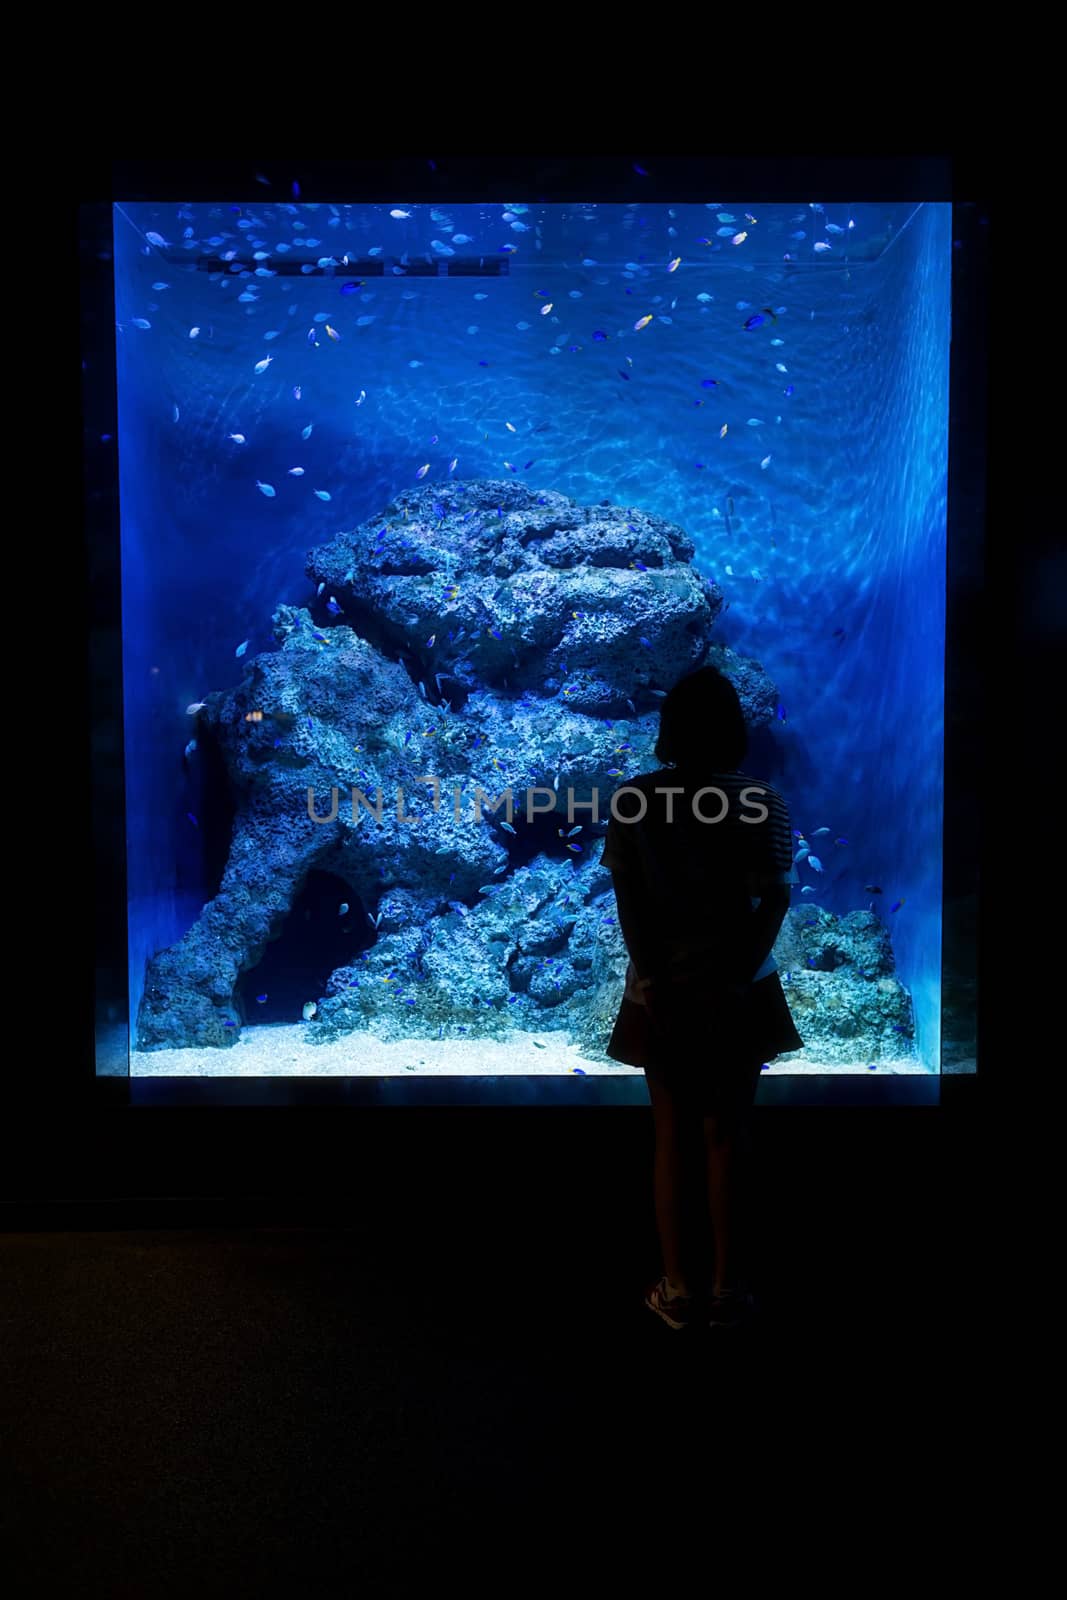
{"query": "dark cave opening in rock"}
(315, 940)
(216, 810)
(548, 833)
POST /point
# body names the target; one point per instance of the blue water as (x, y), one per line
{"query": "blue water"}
(819, 510)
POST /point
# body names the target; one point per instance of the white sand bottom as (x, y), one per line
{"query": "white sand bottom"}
(285, 1051)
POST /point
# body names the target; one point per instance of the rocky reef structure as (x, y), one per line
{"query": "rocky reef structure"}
(477, 663)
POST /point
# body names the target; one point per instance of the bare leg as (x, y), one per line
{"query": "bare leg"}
(677, 1133)
(726, 1141)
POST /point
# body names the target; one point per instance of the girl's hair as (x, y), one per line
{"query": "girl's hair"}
(701, 724)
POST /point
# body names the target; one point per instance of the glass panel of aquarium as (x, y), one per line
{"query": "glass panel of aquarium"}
(423, 511)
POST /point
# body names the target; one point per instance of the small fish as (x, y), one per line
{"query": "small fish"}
(709, 383)
(642, 322)
(350, 288)
(819, 833)
(842, 840)
(177, 413)
(192, 819)
(672, 266)
(141, 322)
(266, 488)
(306, 432)
(897, 906)
(599, 336)
(739, 238)
(579, 1070)
(724, 430)
(781, 713)
(546, 309)
(453, 464)
(791, 390)
(157, 239)
(297, 391)
(296, 472)
(623, 374)
(641, 173)
(574, 847)
(342, 909)
(241, 648)
(238, 438)
(309, 1011)
(507, 827)
(814, 863)
(423, 471)
(333, 333)
(396, 212)
(765, 463)
(510, 426)
(322, 494)
(261, 366)
(756, 320)
(189, 749)
(822, 245)
(197, 705)
(808, 889)
(872, 888)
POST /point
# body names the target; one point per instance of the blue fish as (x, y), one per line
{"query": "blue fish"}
(192, 819)
(623, 374)
(755, 320)
(581, 1072)
(351, 288)
(709, 383)
(781, 713)
(260, 999)
(599, 336)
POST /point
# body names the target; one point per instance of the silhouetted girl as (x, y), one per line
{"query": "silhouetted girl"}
(701, 858)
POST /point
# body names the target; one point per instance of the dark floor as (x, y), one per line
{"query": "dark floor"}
(258, 1395)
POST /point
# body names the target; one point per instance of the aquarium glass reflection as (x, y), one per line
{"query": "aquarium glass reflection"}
(424, 507)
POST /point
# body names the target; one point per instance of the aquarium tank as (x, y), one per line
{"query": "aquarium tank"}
(424, 508)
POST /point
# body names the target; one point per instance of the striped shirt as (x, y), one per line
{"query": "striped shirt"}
(704, 852)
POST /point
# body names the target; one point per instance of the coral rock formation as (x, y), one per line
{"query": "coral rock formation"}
(474, 638)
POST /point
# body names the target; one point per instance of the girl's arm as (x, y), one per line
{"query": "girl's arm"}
(636, 922)
(763, 929)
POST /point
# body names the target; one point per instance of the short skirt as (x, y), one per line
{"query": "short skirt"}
(706, 1044)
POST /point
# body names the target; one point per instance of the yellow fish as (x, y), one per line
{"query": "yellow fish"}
(675, 264)
(333, 333)
(642, 323)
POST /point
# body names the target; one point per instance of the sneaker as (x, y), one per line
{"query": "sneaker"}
(677, 1311)
(732, 1309)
